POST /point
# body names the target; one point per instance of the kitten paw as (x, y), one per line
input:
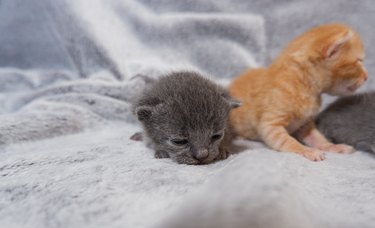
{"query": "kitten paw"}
(137, 136)
(224, 154)
(314, 155)
(161, 154)
(338, 148)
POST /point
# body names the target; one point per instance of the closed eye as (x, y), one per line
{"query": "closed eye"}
(180, 142)
(360, 60)
(216, 137)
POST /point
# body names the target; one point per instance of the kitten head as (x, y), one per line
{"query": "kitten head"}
(341, 54)
(334, 53)
(185, 116)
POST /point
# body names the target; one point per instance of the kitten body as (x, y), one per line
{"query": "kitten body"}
(185, 117)
(284, 98)
(350, 120)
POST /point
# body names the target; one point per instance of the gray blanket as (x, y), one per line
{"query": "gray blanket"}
(68, 72)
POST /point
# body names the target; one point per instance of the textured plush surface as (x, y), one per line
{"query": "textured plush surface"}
(67, 73)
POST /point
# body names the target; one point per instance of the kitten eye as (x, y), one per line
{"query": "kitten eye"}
(180, 142)
(216, 137)
(360, 60)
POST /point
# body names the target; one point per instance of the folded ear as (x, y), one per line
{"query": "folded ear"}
(336, 43)
(233, 103)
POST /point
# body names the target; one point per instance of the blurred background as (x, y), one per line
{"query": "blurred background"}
(126, 37)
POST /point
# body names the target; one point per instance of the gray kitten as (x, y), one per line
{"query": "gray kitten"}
(185, 118)
(350, 120)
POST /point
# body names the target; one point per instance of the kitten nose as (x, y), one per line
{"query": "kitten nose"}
(366, 75)
(201, 154)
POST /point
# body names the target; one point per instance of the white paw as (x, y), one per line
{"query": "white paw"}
(338, 148)
(314, 155)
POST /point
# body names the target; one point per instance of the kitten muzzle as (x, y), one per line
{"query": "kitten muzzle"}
(355, 86)
(201, 154)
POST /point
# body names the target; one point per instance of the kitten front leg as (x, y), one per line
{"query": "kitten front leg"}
(310, 135)
(223, 154)
(365, 146)
(225, 144)
(277, 137)
(161, 154)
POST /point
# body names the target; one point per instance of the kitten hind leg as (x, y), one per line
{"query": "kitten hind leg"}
(278, 138)
(310, 135)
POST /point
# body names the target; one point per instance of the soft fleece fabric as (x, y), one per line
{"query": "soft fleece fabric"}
(68, 71)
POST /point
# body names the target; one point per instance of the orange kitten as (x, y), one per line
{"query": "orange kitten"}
(284, 98)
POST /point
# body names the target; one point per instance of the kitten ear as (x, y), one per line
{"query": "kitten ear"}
(334, 46)
(144, 112)
(233, 103)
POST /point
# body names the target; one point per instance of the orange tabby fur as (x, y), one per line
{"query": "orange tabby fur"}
(284, 98)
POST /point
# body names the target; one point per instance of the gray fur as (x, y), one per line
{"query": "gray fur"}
(350, 120)
(185, 106)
